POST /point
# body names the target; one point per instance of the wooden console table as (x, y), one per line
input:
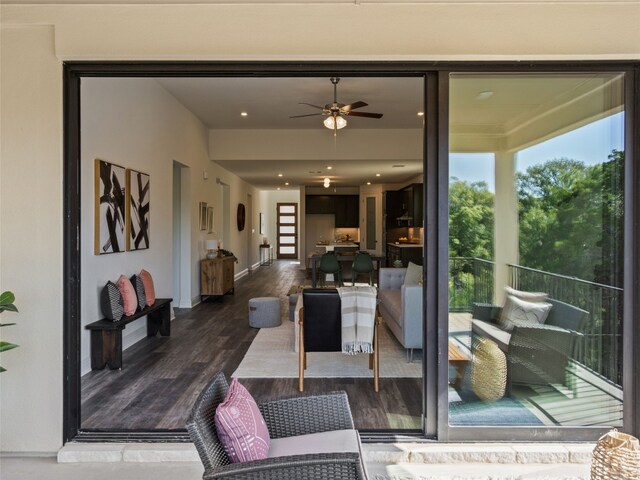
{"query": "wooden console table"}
(216, 276)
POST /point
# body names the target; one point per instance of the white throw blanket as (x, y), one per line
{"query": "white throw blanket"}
(358, 318)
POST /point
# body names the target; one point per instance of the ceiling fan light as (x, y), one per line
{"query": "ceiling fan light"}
(326, 182)
(339, 122)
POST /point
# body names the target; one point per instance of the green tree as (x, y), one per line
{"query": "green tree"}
(470, 219)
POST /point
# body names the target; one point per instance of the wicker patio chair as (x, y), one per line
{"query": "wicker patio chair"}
(287, 417)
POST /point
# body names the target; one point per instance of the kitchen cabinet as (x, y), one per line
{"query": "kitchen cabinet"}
(323, 204)
(216, 276)
(347, 211)
(404, 207)
(404, 253)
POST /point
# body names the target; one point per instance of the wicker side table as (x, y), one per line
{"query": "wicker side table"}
(489, 370)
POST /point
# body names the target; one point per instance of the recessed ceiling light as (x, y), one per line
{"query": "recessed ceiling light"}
(279, 174)
(368, 183)
(243, 114)
(485, 95)
(421, 114)
(377, 174)
(329, 167)
(286, 183)
(278, 188)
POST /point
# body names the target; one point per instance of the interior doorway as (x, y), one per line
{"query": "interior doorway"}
(181, 236)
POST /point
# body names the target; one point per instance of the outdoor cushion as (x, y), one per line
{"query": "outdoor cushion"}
(129, 297)
(516, 311)
(495, 333)
(323, 442)
(527, 296)
(240, 426)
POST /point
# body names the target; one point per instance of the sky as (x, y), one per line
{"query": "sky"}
(590, 144)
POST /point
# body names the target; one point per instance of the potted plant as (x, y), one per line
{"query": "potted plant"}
(6, 303)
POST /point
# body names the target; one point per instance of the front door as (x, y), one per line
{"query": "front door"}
(287, 225)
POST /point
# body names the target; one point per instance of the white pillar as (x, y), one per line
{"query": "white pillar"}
(506, 221)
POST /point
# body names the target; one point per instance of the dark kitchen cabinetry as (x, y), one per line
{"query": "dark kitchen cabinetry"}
(347, 211)
(404, 207)
(324, 204)
(404, 253)
(346, 208)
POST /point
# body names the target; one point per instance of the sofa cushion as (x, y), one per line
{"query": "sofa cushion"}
(392, 301)
(129, 297)
(324, 442)
(493, 332)
(516, 311)
(413, 275)
(527, 296)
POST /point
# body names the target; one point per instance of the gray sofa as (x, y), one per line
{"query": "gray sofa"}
(537, 354)
(401, 307)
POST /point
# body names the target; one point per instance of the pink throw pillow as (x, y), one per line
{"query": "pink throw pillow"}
(129, 297)
(149, 290)
(241, 427)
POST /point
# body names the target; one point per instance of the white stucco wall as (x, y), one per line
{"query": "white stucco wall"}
(37, 38)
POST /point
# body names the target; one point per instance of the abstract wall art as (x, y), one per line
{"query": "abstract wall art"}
(109, 208)
(138, 198)
(203, 215)
(209, 219)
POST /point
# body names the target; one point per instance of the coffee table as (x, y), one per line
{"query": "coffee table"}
(458, 359)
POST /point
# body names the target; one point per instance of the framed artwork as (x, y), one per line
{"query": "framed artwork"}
(138, 198)
(209, 219)
(203, 215)
(241, 217)
(262, 227)
(109, 221)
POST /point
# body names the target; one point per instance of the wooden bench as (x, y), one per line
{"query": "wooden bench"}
(106, 335)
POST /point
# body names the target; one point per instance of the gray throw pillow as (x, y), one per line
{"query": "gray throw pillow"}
(413, 275)
(111, 302)
(517, 311)
(526, 296)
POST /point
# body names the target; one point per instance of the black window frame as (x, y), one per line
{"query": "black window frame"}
(435, 207)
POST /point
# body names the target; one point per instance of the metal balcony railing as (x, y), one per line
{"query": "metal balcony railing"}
(471, 280)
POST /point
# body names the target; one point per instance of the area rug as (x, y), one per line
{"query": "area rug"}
(272, 355)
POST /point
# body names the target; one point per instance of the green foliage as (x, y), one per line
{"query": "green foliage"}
(6, 303)
(470, 219)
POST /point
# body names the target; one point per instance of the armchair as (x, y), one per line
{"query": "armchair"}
(537, 354)
(312, 437)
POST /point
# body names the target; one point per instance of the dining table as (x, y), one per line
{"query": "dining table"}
(343, 257)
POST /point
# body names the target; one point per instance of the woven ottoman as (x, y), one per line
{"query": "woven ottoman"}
(264, 312)
(489, 370)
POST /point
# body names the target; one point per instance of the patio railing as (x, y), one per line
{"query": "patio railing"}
(471, 280)
(600, 347)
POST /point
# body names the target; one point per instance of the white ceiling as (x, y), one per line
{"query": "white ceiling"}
(526, 109)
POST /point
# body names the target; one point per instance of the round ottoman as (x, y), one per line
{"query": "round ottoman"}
(489, 370)
(264, 312)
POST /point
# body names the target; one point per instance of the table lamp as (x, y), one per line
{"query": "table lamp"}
(212, 248)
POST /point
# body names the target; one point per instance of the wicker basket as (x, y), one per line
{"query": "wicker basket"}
(616, 457)
(489, 370)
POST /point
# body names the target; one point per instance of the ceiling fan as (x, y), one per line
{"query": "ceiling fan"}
(335, 112)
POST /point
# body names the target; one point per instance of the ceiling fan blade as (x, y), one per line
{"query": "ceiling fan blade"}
(353, 106)
(364, 114)
(308, 115)
(311, 105)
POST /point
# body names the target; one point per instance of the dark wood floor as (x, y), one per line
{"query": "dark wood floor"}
(162, 376)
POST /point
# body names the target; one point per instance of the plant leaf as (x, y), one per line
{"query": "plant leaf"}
(2, 369)
(4, 346)
(7, 297)
(10, 306)
(6, 324)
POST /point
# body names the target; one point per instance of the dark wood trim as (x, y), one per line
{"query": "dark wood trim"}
(71, 256)
(435, 209)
